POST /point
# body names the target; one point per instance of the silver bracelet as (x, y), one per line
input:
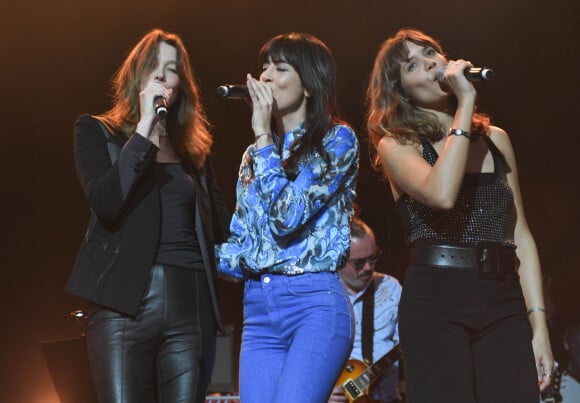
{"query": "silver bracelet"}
(536, 309)
(263, 134)
(460, 132)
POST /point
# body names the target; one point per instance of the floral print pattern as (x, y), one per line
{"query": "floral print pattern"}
(292, 226)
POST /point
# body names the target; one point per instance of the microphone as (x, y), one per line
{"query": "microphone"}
(160, 105)
(471, 73)
(233, 91)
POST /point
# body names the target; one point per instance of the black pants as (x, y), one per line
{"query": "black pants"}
(464, 339)
(166, 353)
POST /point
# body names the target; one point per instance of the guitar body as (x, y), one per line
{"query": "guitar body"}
(357, 377)
(352, 370)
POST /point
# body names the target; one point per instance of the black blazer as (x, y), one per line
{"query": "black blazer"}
(115, 259)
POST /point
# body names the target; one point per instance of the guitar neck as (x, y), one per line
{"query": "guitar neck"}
(373, 372)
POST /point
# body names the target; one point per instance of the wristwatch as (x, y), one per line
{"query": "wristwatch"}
(459, 132)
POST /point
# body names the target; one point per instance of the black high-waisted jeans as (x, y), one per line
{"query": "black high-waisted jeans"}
(166, 353)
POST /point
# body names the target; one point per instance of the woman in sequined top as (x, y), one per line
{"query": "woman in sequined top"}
(290, 230)
(464, 328)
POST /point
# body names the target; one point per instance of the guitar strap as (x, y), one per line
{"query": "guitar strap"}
(368, 322)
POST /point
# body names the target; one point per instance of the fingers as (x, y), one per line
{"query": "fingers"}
(262, 102)
(455, 80)
(337, 395)
(455, 68)
(546, 371)
(260, 92)
(147, 96)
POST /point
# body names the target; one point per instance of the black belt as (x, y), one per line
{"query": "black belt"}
(491, 259)
(253, 275)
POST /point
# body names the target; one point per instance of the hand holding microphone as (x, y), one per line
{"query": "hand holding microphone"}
(260, 97)
(155, 99)
(458, 77)
(160, 105)
(471, 73)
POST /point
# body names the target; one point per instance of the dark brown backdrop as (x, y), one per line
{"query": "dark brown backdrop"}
(58, 56)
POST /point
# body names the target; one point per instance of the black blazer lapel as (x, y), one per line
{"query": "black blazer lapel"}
(204, 231)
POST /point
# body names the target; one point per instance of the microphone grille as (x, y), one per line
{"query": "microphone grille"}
(487, 74)
(223, 90)
(440, 73)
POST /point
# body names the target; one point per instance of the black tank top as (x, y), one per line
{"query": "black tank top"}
(484, 210)
(178, 243)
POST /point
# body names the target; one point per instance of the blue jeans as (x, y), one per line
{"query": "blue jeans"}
(296, 339)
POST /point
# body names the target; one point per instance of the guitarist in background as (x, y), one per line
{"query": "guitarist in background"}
(377, 295)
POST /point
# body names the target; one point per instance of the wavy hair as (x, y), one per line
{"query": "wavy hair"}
(316, 67)
(391, 111)
(186, 120)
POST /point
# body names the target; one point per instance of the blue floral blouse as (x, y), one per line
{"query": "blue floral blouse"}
(292, 226)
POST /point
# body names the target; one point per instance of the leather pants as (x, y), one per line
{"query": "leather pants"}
(166, 353)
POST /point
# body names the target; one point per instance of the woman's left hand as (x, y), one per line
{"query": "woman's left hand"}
(545, 364)
(262, 102)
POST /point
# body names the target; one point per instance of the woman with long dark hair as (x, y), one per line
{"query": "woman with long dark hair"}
(290, 231)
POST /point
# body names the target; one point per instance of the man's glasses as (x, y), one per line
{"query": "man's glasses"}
(358, 264)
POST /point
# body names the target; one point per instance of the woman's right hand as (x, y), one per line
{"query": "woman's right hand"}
(148, 118)
(454, 79)
(262, 103)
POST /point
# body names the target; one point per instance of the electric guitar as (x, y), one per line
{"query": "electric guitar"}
(357, 377)
(564, 388)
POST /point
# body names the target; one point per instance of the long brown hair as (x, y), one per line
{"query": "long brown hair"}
(186, 120)
(391, 112)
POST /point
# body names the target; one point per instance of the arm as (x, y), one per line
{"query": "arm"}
(221, 217)
(435, 186)
(529, 269)
(294, 203)
(228, 253)
(107, 186)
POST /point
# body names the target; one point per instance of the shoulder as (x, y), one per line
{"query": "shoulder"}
(86, 119)
(387, 290)
(385, 280)
(341, 142)
(87, 125)
(497, 133)
(342, 133)
(502, 141)
(389, 142)
(388, 148)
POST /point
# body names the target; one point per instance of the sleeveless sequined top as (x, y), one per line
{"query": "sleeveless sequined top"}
(484, 210)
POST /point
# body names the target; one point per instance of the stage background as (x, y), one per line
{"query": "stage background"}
(57, 58)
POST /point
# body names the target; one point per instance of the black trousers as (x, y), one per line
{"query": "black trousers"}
(465, 339)
(166, 353)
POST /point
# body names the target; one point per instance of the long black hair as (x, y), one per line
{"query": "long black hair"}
(316, 67)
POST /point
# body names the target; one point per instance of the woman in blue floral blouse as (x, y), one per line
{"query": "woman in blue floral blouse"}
(290, 231)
